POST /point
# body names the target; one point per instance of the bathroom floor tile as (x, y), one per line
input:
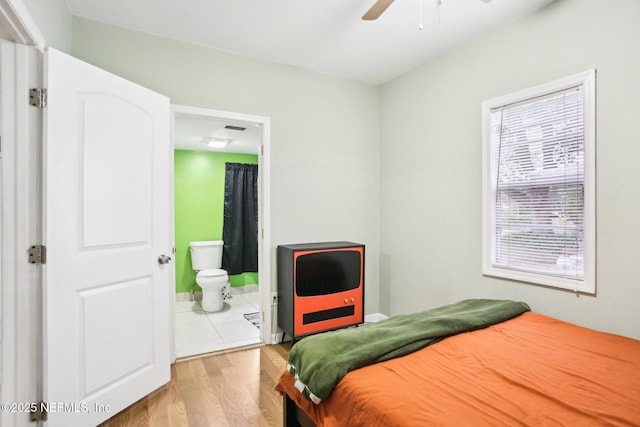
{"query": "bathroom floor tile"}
(182, 306)
(252, 298)
(231, 313)
(190, 320)
(237, 331)
(197, 341)
(198, 332)
(241, 302)
(236, 300)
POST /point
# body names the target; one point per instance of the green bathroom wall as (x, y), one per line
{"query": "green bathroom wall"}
(199, 207)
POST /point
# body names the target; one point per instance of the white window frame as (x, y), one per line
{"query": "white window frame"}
(587, 82)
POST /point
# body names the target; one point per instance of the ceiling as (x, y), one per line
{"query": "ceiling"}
(190, 131)
(325, 36)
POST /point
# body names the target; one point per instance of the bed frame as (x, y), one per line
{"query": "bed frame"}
(293, 416)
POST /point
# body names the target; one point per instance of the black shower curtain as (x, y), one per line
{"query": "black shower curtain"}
(240, 227)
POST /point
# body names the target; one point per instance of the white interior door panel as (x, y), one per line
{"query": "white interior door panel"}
(106, 221)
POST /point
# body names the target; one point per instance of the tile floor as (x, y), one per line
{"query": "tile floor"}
(197, 331)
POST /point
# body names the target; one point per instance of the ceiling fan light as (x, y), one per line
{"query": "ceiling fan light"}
(216, 142)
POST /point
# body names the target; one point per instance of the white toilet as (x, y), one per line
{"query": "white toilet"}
(206, 259)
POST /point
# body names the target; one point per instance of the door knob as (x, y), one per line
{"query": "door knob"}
(163, 259)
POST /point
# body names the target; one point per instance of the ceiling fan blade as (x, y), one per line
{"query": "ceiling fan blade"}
(377, 9)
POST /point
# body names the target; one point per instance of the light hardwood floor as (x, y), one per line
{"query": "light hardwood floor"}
(232, 389)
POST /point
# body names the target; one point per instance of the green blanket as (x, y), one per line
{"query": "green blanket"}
(318, 362)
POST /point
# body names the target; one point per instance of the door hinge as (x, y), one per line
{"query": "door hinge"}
(38, 254)
(38, 97)
(38, 412)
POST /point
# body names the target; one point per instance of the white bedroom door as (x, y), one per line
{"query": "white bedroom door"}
(106, 160)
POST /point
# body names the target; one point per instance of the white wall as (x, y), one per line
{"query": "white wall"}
(324, 130)
(326, 133)
(53, 20)
(431, 172)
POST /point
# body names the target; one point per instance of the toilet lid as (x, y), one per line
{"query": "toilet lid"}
(214, 272)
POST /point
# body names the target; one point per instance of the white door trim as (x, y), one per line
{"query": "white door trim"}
(20, 310)
(264, 209)
(21, 190)
(18, 24)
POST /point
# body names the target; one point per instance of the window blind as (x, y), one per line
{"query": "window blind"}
(538, 179)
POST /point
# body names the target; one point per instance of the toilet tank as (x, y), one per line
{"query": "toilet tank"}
(206, 255)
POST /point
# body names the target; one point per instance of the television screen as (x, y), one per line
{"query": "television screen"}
(327, 272)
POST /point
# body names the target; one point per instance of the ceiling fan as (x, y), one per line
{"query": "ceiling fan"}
(376, 10)
(380, 6)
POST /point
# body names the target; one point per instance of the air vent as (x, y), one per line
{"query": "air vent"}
(240, 128)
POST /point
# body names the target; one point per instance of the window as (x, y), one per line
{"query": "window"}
(539, 184)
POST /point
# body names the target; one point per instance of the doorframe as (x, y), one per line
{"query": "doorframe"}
(19, 25)
(264, 243)
(21, 312)
(20, 281)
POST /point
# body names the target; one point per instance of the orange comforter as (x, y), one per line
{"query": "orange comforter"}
(531, 370)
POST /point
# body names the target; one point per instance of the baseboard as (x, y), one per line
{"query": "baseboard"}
(187, 296)
(374, 317)
(245, 289)
(235, 290)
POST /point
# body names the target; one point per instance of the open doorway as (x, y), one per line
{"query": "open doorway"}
(206, 142)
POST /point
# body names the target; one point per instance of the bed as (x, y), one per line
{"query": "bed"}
(529, 369)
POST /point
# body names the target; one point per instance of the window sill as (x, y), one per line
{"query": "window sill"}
(581, 286)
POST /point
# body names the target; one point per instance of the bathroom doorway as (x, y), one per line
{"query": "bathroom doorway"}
(204, 142)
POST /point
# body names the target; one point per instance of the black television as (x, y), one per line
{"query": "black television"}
(328, 271)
